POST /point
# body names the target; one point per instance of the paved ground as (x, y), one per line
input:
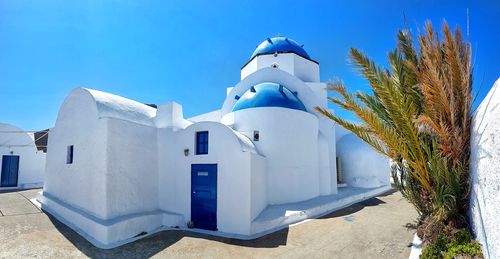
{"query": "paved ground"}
(370, 229)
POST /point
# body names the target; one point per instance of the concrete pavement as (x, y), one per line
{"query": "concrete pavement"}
(370, 229)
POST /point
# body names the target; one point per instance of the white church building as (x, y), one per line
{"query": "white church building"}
(118, 170)
(22, 164)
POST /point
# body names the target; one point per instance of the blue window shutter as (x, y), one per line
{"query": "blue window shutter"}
(201, 142)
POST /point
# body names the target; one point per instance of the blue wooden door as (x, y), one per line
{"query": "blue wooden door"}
(204, 196)
(10, 167)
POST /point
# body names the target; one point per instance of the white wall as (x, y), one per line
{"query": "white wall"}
(291, 63)
(284, 62)
(485, 173)
(321, 93)
(340, 132)
(132, 168)
(362, 166)
(83, 183)
(304, 69)
(209, 116)
(259, 185)
(233, 174)
(110, 191)
(325, 177)
(288, 140)
(308, 93)
(31, 161)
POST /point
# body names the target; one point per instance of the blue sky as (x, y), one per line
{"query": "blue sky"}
(190, 51)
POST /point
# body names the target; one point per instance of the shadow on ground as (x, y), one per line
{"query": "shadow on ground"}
(151, 245)
(358, 206)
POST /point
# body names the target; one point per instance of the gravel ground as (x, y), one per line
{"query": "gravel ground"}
(370, 229)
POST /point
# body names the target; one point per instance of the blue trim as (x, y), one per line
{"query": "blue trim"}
(269, 95)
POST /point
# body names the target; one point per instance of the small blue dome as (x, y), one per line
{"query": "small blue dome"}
(268, 95)
(279, 45)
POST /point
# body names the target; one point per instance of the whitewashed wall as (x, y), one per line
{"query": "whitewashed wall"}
(234, 179)
(289, 141)
(311, 96)
(109, 193)
(340, 132)
(259, 185)
(209, 116)
(361, 165)
(132, 168)
(295, 65)
(485, 173)
(83, 183)
(31, 161)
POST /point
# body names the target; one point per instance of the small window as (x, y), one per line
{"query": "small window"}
(69, 155)
(256, 135)
(202, 143)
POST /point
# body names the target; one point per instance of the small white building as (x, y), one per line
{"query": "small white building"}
(118, 169)
(22, 165)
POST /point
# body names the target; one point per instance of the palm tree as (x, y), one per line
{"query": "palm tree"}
(419, 116)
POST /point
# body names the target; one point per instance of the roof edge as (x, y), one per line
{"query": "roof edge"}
(278, 52)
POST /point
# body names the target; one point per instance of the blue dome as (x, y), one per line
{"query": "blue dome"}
(279, 45)
(268, 95)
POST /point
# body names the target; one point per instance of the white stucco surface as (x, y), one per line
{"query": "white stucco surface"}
(295, 65)
(288, 139)
(485, 173)
(361, 165)
(14, 141)
(114, 106)
(209, 116)
(340, 132)
(234, 201)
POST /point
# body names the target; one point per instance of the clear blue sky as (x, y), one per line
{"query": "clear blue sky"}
(190, 51)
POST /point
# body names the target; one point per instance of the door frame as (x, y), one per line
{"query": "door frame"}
(195, 168)
(4, 158)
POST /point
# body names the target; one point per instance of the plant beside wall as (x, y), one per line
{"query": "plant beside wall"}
(419, 115)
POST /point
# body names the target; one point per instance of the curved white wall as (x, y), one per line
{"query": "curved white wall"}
(289, 141)
(31, 161)
(240, 196)
(485, 173)
(361, 165)
(83, 183)
(114, 169)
